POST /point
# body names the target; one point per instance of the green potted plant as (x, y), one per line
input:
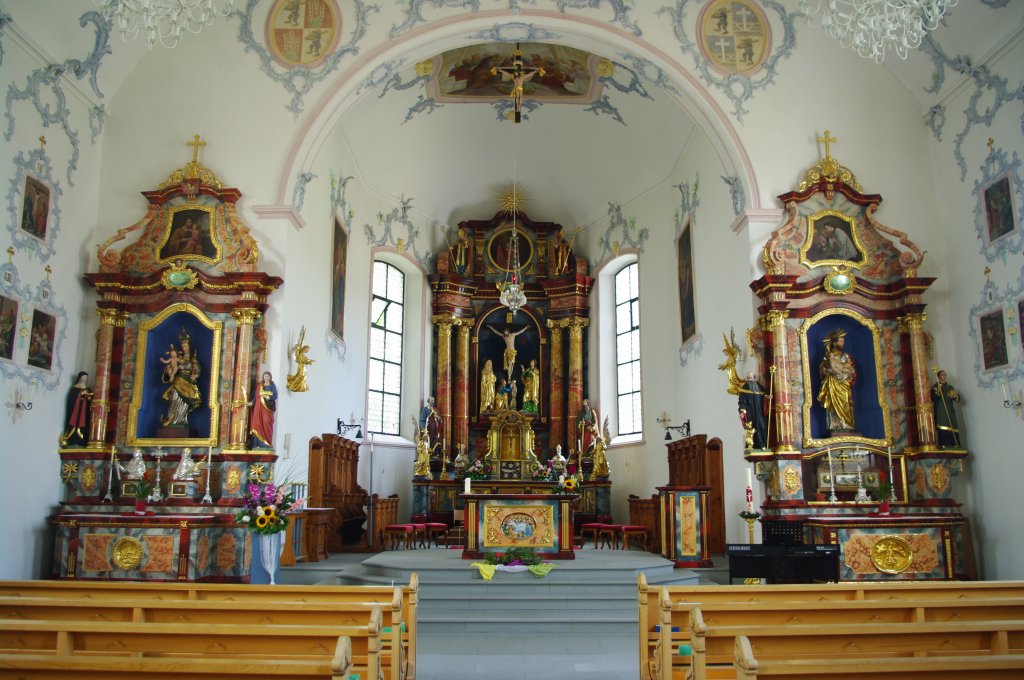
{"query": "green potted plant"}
(143, 490)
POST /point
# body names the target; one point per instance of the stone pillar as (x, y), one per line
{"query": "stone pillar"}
(911, 329)
(782, 406)
(556, 403)
(460, 413)
(575, 326)
(242, 379)
(110, 320)
(443, 389)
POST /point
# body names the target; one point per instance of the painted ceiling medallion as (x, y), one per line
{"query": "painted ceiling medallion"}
(303, 32)
(734, 36)
(839, 282)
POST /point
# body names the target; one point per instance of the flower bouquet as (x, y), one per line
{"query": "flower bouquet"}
(479, 470)
(267, 508)
(541, 473)
(514, 559)
(570, 484)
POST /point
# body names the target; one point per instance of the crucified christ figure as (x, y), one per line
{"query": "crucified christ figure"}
(510, 346)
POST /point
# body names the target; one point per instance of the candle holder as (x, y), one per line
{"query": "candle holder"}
(750, 518)
(682, 430)
(156, 496)
(109, 498)
(862, 493)
(207, 498)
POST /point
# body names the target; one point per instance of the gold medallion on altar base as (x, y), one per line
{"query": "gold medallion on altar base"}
(303, 32)
(734, 36)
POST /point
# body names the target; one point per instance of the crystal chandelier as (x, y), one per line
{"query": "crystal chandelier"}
(163, 20)
(873, 26)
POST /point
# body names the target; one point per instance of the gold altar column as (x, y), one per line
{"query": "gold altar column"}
(782, 405)
(110, 320)
(460, 427)
(911, 329)
(443, 389)
(576, 326)
(240, 397)
(557, 381)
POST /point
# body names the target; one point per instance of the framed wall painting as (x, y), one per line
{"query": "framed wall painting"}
(339, 259)
(687, 301)
(499, 250)
(1020, 323)
(832, 240)
(997, 198)
(41, 338)
(8, 326)
(993, 340)
(190, 235)
(35, 207)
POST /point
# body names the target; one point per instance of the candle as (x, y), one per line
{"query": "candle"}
(750, 480)
(831, 479)
(1006, 391)
(890, 456)
(371, 443)
(561, 479)
(467, 485)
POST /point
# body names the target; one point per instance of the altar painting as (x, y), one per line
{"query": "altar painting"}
(832, 239)
(41, 338)
(190, 236)
(464, 74)
(499, 250)
(519, 525)
(162, 342)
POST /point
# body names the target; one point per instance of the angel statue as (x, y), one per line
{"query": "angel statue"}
(600, 470)
(421, 466)
(297, 381)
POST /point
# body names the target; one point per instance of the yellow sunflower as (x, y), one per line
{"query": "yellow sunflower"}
(570, 484)
(262, 522)
(270, 511)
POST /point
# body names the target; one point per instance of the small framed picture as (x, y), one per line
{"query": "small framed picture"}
(190, 235)
(35, 207)
(993, 340)
(832, 239)
(41, 338)
(998, 202)
(338, 267)
(687, 302)
(8, 326)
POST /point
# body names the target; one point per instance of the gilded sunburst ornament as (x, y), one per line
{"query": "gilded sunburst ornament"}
(512, 199)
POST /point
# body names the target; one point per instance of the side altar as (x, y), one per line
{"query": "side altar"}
(157, 454)
(509, 381)
(854, 444)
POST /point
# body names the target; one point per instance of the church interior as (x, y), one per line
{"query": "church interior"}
(398, 255)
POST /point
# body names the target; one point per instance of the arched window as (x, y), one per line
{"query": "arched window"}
(627, 350)
(387, 311)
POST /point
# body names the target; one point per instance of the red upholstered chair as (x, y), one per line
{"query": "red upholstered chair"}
(592, 528)
(631, 531)
(393, 533)
(609, 533)
(419, 534)
(435, 530)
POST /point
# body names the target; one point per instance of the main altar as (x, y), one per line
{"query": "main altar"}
(158, 453)
(854, 444)
(508, 408)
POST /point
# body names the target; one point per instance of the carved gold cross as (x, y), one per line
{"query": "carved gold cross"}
(989, 144)
(195, 144)
(48, 271)
(42, 141)
(827, 140)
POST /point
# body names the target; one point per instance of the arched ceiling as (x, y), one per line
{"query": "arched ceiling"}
(570, 156)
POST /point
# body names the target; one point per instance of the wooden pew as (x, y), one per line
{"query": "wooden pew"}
(849, 642)
(993, 667)
(68, 640)
(53, 667)
(278, 598)
(663, 613)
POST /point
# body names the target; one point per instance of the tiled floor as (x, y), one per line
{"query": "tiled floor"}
(526, 657)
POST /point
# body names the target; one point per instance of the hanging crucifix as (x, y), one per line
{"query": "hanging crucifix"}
(519, 74)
